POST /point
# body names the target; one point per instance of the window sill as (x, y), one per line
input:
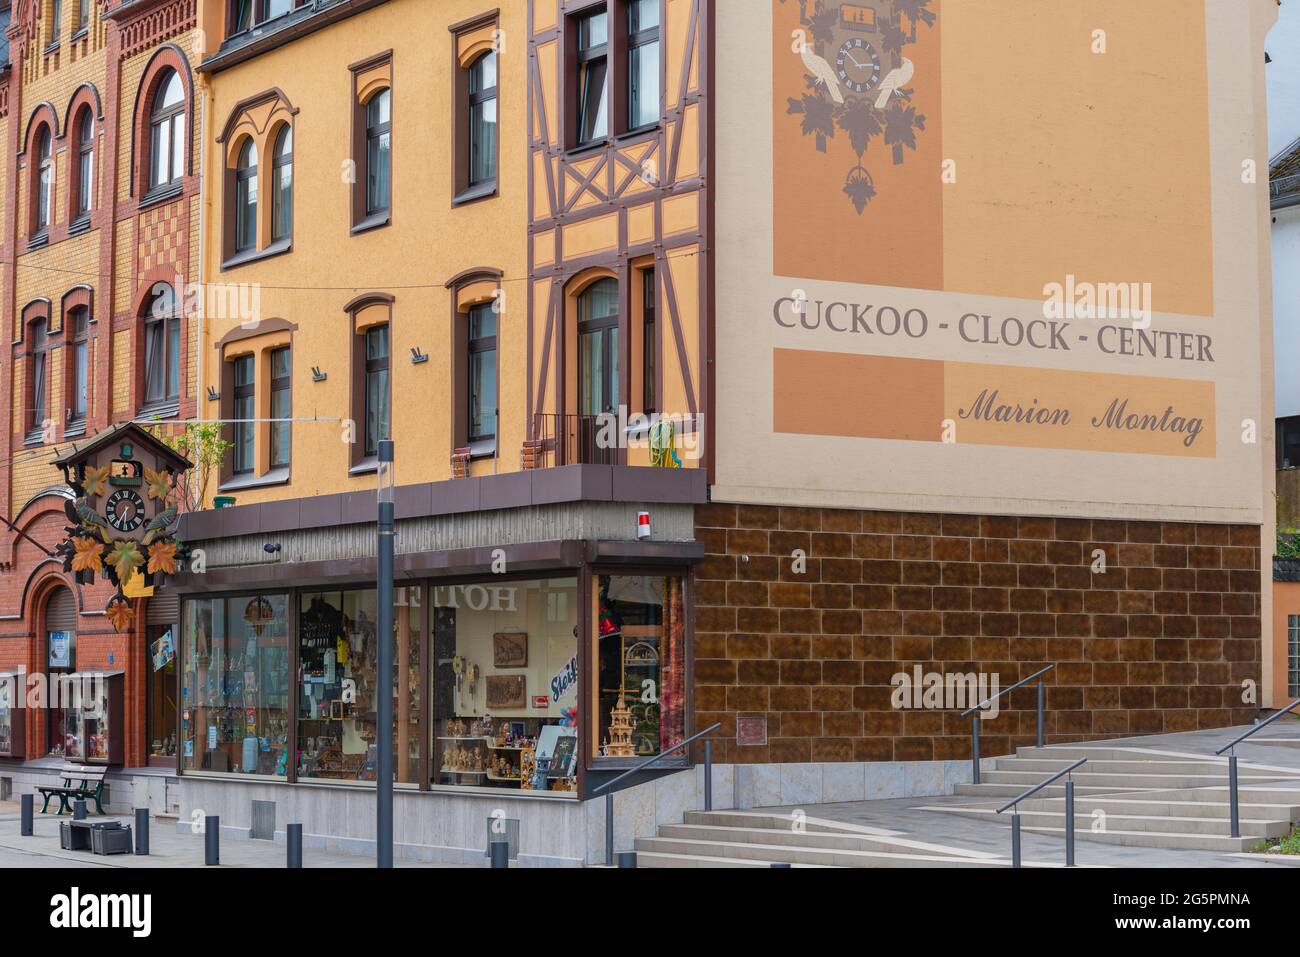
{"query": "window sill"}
(79, 226)
(34, 439)
(475, 193)
(52, 48)
(162, 410)
(79, 34)
(367, 466)
(482, 449)
(278, 476)
(373, 221)
(638, 133)
(38, 240)
(277, 248)
(583, 149)
(161, 194)
(75, 429)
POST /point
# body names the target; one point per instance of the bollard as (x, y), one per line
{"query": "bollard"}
(1069, 823)
(1232, 795)
(78, 810)
(975, 746)
(627, 858)
(211, 840)
(293, 841)
(708, 775)
(1040, 713)
(28, 803)
(1015, 838)
(500, 854)
(609, 828)
(142, 832)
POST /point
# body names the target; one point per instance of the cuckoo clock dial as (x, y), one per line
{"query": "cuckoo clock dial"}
(858, 65)
(125, 510)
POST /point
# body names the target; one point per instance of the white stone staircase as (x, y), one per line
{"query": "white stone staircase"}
(761, 839)
(1139, 798)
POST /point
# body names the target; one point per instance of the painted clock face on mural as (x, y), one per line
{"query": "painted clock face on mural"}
(858, 65)
(124, 510)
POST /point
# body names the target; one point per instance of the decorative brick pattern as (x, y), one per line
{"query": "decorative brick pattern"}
(1162, 641)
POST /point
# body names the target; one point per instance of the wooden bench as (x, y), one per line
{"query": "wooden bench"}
(90, 788)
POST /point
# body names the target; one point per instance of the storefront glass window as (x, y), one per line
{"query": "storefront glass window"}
(235, 685)
(161, 702)
(338, 682)
(504, 671)
(640, 638)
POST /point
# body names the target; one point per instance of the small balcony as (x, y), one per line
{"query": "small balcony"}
(559, 440)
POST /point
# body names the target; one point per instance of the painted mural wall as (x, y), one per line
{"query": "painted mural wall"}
(973, 288)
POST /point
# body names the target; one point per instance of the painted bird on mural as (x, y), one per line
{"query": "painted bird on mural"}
(894, 81)
(822, 72)
(159, 524)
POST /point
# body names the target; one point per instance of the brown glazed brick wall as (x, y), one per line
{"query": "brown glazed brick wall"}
(1162, 641)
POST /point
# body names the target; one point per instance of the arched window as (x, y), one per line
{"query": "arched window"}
(483, 119)
(598, 348)
(246, 198)
(38, 380)
(78, 375)
(44, 179)
(282, 186)
(85, 160)
(162, 347)
(378, 151)
(167, 132)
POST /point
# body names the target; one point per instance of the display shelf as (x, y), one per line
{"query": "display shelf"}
(477, 737)
(454, 771)
(494, 777)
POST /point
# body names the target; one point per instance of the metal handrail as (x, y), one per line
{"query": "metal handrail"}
(1069, 813)
(1007, 690)
(654, 759)
(1263, 724)
(1233, 800)
(1038, 787)
(1039, 739)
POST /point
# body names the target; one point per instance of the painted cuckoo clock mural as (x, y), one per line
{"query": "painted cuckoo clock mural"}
(123, 513)
(858, 80)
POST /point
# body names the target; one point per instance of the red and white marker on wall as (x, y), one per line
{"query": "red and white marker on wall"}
(642, 524)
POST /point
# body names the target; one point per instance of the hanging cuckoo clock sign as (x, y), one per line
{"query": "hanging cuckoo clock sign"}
(122, 512)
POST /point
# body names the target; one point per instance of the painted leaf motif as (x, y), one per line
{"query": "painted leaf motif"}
(120, 613)
(158, 483)
(162, 558)
(823, 24)
(818, 116)
(86, 555)
(125, 559)
(96, 479)
(860, 189)
(861, 121)
(916, 10)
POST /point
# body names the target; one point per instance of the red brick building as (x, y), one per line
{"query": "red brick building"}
(99, 112)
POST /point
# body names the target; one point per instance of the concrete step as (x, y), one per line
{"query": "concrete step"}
(987, 790)
(783, 822)
(807, 855)
(1129, 781)
(1171, 841)
(1046, 767)
(823, 840)
(1166, 808)
(657, 859)
(1127, 822)
(1069, 753)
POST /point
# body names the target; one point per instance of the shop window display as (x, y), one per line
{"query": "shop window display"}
(338, 681)
(235, 685)
(504, 677)
(640, 623)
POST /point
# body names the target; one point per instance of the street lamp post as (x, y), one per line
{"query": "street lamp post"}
(384, 707)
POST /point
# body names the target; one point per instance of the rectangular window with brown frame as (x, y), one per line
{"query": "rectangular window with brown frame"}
(474, 131)
(591, 91)
(281, 406)
(78, 374)
(643, 108)
(244, 414)
(37, 379)
(482, 425)
(649, 340)
(372, 142)
(376, 391)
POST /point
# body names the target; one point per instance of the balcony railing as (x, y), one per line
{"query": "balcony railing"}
(570, 440)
